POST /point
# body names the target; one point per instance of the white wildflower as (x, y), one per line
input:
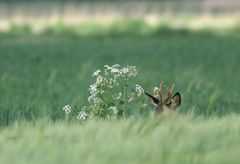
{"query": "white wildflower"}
(84, 108)
(96, 73)
(93, 89)
(101, 84)
(82, 115)
(114, 109)
(132, 71)
(94, 100)
(91, 98)
(67, 109)
(116, 66)
(99, 79)
(112, 81)
(131, 97)
(156, 91)
(115, 70)
(139, 90)
(112, 67)
(129, 71)
(107, 67)
(124, 71)
(117, 96)
(98, 102)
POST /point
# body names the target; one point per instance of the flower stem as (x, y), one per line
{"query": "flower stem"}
(124, 103)
(75, 111)
(124, 107)
(109, 103)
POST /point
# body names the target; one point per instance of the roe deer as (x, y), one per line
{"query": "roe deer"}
(160, 104)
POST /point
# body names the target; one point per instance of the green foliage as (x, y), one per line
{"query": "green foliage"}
(17, 30)
(40, 74)
(165, 139)
(117, 28)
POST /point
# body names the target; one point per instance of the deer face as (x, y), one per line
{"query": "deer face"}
(170, 102)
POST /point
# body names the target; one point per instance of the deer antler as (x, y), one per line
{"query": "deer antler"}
(169, 94)
(160, 92)
(160, 105)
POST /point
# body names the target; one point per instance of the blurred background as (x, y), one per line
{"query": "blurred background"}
(49, 49)
(196, 13)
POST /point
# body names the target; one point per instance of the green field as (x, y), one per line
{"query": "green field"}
(40, 74)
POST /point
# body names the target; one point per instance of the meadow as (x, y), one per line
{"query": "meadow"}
(39, 74)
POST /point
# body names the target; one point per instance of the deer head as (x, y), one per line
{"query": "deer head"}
(170, 102)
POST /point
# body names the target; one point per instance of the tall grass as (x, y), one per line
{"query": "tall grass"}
(40, 74)
(165, 139)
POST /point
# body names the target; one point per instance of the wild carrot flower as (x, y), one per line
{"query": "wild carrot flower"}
(82, 115)
(114, 109)
(112, 92)
(156, 91)
(67, 109)
(96, 73)
(117, 96)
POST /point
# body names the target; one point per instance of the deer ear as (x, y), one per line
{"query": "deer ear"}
(175, 101)
(154, 101)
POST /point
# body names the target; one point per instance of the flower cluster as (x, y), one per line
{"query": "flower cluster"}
(111, 92)
(114, 109)
(118, 71)
(108, 95)
(156, 91)
(82, 115)
(67, 109)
